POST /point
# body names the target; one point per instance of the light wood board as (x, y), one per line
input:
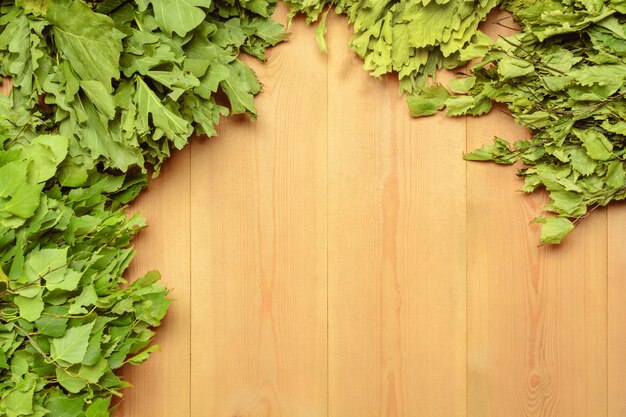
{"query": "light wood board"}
(336, 258)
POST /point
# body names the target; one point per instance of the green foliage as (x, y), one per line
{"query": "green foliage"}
(562, 77)
(411, 38)
(566, 84)
(65, 320)
(101, 91)
(128, 81)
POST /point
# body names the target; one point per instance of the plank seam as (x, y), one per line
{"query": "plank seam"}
(467, 288)
(189, 163)
(606, 303)
(327, 239)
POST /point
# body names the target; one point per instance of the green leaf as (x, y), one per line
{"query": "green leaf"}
(51, 326)
(87, 297)
(49, 264)
(99, 96)
(143, 356)
(147, 280)
(19, 365)
(12, 175)
(99, 139)
(401, 51)
(599, 74)
(320, 32)
(499, 152)
(271, 31)
(71, 175)
(428, 101)
(46, 152)
(153, 308)
(30, 308)
(462, 85)
(60, 405)
(211, 81)
(35, 6)
(69, 380)
(3, 360)
(240, 88)
(486, 153)
(554, 229)
(150, 108)
(179, 16)
(19, 403)
(72, 346)
(459, 105)
(619, 127)
(24, 201)
(429, 23)
(98, 408)
(581, 162)
(566, 201)
(89, 40)
(94, 349)
(513, 68)
(615, 175)
(596, 143)
(69, 282)
(93, 373)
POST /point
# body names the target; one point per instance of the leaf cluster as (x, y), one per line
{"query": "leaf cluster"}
(409, 37)
(66, 321)
(126, 81)
(102, 91)
(562, 77)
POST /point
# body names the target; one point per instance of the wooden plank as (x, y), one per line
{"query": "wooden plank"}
(616, 311)
(396, 249)
(537, 316)
(259, 248)
(537, 322)
(161, 385)
(5, 86)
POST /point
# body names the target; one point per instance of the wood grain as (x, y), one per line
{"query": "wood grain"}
(346, 262)
(336, 258)
(537, 315)
(259, 248)
(161, 385)
(396, 249)
(616, 310)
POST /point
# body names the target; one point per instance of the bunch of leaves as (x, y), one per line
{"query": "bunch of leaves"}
(67, 319)
(101, 91)
(127, 80)
(562, 77)
(411, 37)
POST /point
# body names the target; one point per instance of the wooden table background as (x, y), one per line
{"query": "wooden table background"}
(337, 258)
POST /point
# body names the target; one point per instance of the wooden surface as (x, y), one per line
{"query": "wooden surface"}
(337, 258)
